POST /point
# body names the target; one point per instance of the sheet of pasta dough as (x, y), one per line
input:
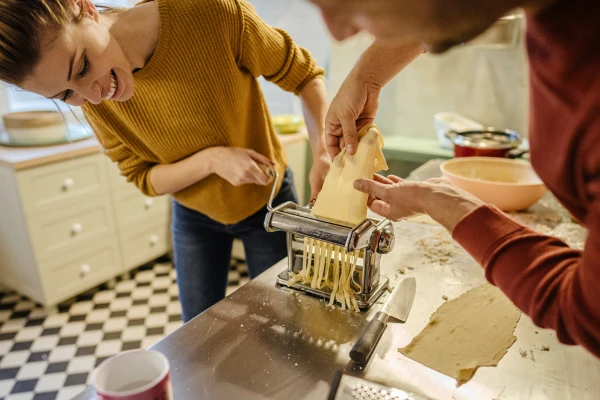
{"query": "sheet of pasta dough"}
(338, 200)
(474, 330)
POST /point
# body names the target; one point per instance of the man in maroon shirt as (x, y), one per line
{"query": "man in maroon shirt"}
(558, 287)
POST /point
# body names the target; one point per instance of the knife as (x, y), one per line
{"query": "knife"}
(398, 305)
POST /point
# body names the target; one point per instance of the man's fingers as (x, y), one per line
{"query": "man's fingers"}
(371, 187)
(395, 179)
(350, 134)
(333, 133)
(332, 141)
(380, 207)
(370, 200)
(382, 179)
(438, 181)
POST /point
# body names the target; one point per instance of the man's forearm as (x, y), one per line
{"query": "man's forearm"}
(381, 62)
(314, 105)
(171, 178)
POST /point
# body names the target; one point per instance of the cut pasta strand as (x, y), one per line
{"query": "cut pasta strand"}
(330, 268)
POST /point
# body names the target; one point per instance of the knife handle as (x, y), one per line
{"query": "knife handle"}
(364, 346)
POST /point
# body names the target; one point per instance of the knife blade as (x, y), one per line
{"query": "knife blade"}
(398, 305)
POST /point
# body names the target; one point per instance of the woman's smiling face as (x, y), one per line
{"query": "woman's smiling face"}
(83, 63)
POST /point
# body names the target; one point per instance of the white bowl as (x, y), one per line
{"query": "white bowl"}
(511, 185)
(35, 126)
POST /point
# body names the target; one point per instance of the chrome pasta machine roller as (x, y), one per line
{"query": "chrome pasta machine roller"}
(371, 238)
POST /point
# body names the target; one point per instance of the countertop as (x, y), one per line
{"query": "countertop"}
(266, 342)
(20, 158)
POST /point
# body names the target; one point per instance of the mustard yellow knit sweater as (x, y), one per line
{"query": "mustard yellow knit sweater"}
(200, 90)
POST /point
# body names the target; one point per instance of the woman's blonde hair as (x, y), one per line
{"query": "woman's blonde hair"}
(23, 25)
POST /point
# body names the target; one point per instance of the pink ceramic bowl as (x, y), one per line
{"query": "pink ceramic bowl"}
(511, 185)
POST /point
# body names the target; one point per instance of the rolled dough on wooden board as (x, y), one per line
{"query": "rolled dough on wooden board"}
(471, 331)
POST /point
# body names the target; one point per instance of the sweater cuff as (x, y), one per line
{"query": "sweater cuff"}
(318, 73)
(482, 230)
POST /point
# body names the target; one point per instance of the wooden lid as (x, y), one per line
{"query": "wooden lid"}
(32, 119)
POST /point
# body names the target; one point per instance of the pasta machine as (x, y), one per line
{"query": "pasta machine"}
(371, 238)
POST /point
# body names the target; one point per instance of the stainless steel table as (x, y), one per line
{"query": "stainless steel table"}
(265, 342)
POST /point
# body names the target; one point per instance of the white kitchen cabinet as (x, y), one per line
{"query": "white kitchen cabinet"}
(70, 225)
(69, 221)
(80, 269)
(50, 187)
(143, 222)
(145, 242)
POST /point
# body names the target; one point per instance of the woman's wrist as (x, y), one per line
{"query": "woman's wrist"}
(171, 178)
(207, 159)
(319, 150)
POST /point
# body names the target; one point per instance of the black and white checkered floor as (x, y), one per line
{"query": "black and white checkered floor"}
(49, 354)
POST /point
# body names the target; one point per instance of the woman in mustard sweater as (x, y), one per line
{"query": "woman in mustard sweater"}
(170, 89)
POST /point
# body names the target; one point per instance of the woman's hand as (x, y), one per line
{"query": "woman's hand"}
(396, 199)
(318, 172)
(240, 166)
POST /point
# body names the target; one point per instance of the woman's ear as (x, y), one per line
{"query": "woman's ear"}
(86, 7)
(90, 8)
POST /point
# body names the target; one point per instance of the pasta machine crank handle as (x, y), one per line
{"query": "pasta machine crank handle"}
(274, 174)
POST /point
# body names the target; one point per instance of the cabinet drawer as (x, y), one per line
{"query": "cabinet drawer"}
(142, 244)
(133, 208)
(54, 185)
(72, 227)
(115, 179)
(78, 271)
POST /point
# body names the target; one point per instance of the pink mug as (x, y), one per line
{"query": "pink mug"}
(133, 375)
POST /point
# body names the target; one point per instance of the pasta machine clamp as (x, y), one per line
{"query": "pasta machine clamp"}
(370, 239)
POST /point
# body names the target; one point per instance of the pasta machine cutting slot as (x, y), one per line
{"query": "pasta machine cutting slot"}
(369, 240)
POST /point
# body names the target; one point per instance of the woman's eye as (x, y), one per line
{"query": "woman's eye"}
(67, 95)
(86, 66)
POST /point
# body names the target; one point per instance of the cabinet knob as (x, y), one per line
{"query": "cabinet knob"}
(76, 228)
(85, 269)
(68, 183)
(148, 203)
(153, 240)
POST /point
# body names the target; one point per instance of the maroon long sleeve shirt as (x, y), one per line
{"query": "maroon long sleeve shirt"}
(556, 286)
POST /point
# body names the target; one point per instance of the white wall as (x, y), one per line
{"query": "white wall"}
(4, 108)
(304, 23)
(484, 84)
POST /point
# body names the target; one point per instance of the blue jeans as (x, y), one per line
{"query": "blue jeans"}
(202, 250)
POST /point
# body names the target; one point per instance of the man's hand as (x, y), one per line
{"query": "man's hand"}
(396, 199)
(354, 106)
